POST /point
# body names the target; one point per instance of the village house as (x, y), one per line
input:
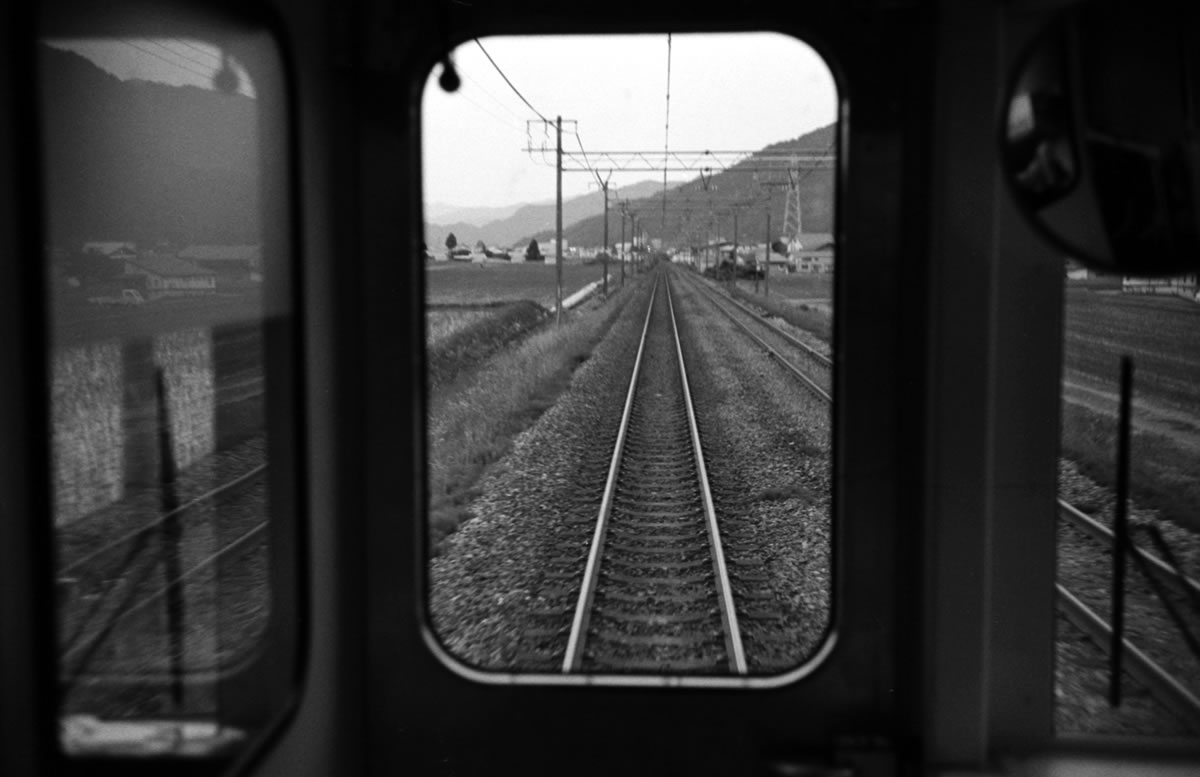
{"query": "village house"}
(111, 249)
(1186, 286)
(169, 276)
(812, 252)
(229, 262)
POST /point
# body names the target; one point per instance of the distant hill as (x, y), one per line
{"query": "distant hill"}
(440, 213)
(688, 223)
(145, 162)
(530, 219)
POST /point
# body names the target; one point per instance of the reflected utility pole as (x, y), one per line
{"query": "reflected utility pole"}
(558, 224)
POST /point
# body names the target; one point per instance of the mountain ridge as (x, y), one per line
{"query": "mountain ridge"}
(528, 219)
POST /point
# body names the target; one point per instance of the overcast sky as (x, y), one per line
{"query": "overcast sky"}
(727, 92)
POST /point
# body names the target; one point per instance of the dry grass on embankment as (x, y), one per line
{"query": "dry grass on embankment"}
(473, 421)
(1162, 472)
(799, 315)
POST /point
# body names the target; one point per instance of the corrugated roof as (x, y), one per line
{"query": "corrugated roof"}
(813, 240)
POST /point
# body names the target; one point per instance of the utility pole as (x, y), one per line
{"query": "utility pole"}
(767, 274)
(558, 226)
(622, 246)
(604, 186)
(766, 255)
(733, 275)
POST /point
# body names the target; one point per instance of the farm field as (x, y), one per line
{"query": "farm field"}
(1162, 334)
(797, 286)
(480, 284)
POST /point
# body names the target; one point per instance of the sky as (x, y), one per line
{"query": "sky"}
(175, 61)
(731, 92)
(727, 92)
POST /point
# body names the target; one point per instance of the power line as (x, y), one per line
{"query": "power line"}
(493, 97)
(175, 64)
(667, 133)
(500, 119)
(196, 48)
(183, 55)
(510, 83)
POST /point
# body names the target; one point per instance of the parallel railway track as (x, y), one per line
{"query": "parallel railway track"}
(113, 586)
(1170, 690)
(1139, 662)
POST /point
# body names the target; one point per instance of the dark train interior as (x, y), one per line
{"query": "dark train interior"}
(894, 413)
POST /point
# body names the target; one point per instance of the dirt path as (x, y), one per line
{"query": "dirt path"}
(1148, 416)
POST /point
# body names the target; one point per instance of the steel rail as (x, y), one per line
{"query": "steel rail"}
(808, 349)
(809, 382)
(1100, 532)
(126, 610)
(733, 636)
(587, 591)
(133, 535)
(1140, 666)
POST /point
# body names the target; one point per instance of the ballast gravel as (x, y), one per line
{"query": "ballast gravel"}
(504, 586)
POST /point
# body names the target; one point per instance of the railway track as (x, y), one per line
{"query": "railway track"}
(655, 595)
(107, 593)
(1139, 661)
(812, 368)
(1141, 665)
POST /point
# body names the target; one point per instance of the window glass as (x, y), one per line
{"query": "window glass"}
(572, 530)
(1155, 322)
(163, 267)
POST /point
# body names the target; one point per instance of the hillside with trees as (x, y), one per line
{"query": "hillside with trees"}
(687, 218)
(145, 162)
(529, 219)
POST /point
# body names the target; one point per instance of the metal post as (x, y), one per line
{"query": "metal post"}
(606, 237)
(767, 272)
(1120, 535)
(733, 279)
(558, 226)
(766, 258)
(171, 532)
(622, 248)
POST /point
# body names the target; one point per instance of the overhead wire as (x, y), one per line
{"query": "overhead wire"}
(213, 62)
(196, 48)
(493, 97)
(179, 62)
(173, 63)
(516, 91)
(667, 135)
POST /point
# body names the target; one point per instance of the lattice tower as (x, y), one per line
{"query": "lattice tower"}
(793, 222)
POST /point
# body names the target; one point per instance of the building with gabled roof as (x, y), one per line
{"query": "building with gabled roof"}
(165, 275)
(111, 249)
(227, 261)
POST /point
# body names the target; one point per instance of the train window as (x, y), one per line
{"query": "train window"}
(170, 326)
(629, 254)
(1155, 322)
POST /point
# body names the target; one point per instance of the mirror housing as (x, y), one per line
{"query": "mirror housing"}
(1099, 139)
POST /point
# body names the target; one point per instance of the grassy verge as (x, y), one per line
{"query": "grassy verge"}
(1162, 474)
(472, 422)
(798, 315)
(475, 341)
